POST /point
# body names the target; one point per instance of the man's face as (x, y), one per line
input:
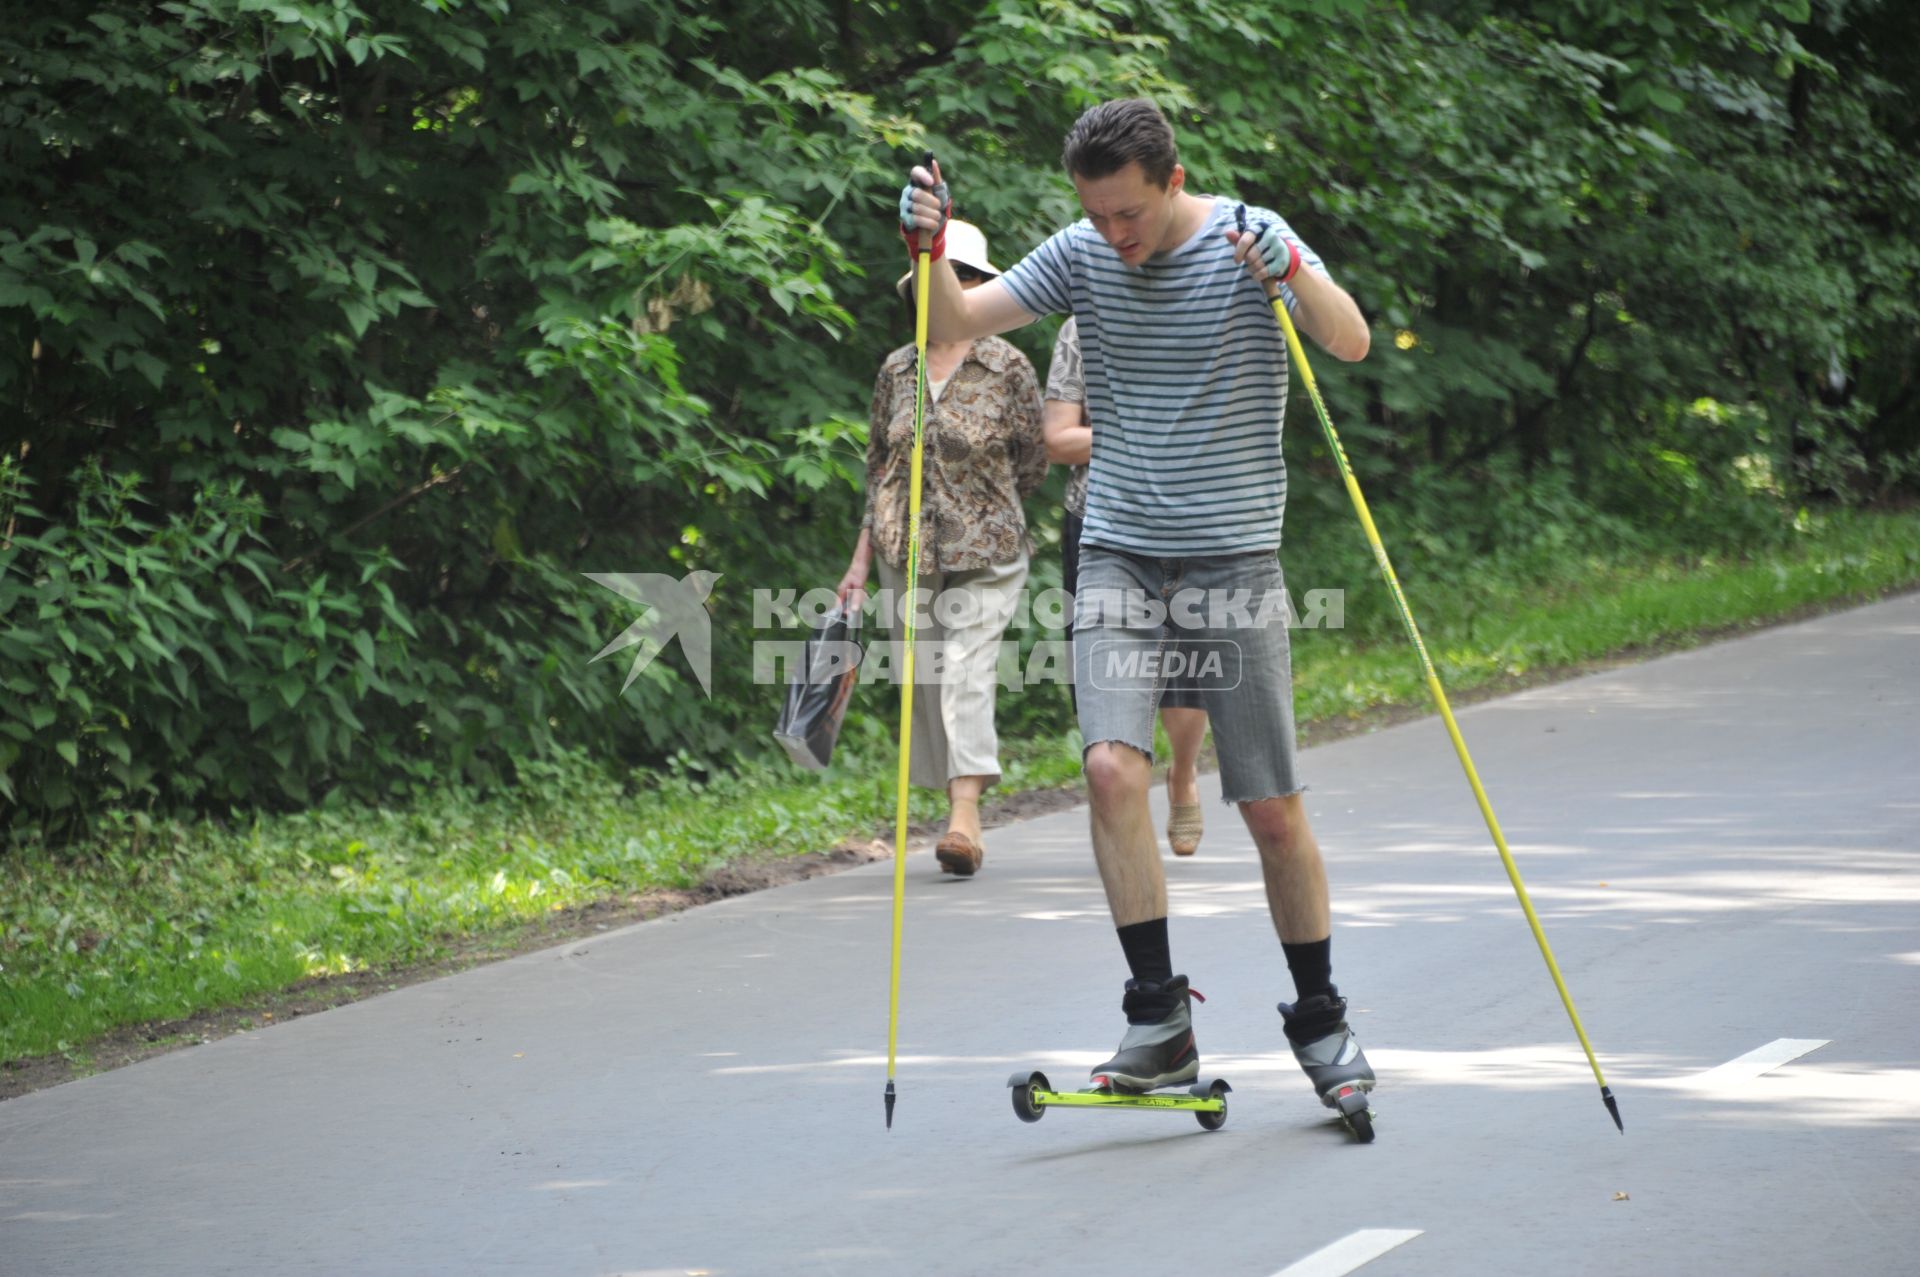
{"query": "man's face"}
(1130, 212)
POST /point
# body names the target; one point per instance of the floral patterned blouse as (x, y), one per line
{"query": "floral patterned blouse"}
(984, 452)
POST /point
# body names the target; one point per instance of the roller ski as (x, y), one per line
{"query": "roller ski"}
(1326, 1048)
(1157, 1053)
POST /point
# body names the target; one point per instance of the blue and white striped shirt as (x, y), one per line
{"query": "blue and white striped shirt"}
(1186, 375)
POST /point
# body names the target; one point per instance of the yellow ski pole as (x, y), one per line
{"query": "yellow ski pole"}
(923, 269)
(1299, 357)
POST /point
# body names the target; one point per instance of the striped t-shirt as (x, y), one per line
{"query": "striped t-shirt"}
(1186, 376)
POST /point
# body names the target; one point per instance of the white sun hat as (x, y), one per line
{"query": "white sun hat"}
(966, 246)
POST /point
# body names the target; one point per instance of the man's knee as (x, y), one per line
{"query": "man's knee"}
(1116, 772)
(1278, 825)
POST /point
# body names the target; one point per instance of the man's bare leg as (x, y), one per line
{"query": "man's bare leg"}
(1158, 1049)
(1124, 846)
(1290, 861)
(1316, 1024)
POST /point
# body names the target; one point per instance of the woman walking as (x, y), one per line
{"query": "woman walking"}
(983, 452)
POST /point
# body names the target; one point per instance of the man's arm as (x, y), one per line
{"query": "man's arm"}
(1326, 312)
(968, 314)
(955, 313)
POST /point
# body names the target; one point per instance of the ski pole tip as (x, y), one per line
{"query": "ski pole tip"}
(1606, 1097)
(890, 1098)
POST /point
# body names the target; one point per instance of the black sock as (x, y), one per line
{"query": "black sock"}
(1312, 966)
(1148, 955)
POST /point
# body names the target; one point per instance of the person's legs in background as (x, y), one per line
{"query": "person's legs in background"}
(974, 611)
(1186, 730)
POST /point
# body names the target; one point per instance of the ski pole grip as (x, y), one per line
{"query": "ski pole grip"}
(936, 246)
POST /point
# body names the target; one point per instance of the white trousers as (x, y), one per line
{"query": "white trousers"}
(960, 622)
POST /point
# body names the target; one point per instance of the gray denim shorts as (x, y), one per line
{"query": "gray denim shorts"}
(1216, 626)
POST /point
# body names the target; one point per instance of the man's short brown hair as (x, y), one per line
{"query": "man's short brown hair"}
(1108, 137)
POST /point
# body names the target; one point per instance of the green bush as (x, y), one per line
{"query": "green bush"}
(339, 341)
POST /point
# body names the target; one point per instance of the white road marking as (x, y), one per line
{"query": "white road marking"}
(1350, 1252)
(1755, 1062)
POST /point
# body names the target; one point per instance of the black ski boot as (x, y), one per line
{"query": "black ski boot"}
(1159, 1048)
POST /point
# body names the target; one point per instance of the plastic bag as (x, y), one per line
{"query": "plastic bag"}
(818, 693)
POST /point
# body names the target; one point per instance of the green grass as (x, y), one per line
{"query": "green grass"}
(145, 923)
(1593, 608)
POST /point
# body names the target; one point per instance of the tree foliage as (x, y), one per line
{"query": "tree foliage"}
(338, 340)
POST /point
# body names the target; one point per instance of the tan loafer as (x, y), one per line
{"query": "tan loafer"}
(1184, 828)
(960, 855)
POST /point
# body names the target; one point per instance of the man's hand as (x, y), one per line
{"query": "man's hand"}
(925, 206)
(1264, 251)
(1326, 313)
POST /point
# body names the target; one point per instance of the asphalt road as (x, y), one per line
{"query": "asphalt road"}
(1724, 846)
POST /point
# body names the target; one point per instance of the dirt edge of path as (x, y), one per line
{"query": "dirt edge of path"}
(133, 1043)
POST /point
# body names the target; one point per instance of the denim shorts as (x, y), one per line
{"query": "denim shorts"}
(1216, 625)
(1176, 694)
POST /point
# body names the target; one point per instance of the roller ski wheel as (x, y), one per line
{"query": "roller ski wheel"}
(1352, 1105)
(1027, 1087)
(1211, 1089)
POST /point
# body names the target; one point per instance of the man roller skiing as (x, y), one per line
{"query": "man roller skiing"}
(1186, 371)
